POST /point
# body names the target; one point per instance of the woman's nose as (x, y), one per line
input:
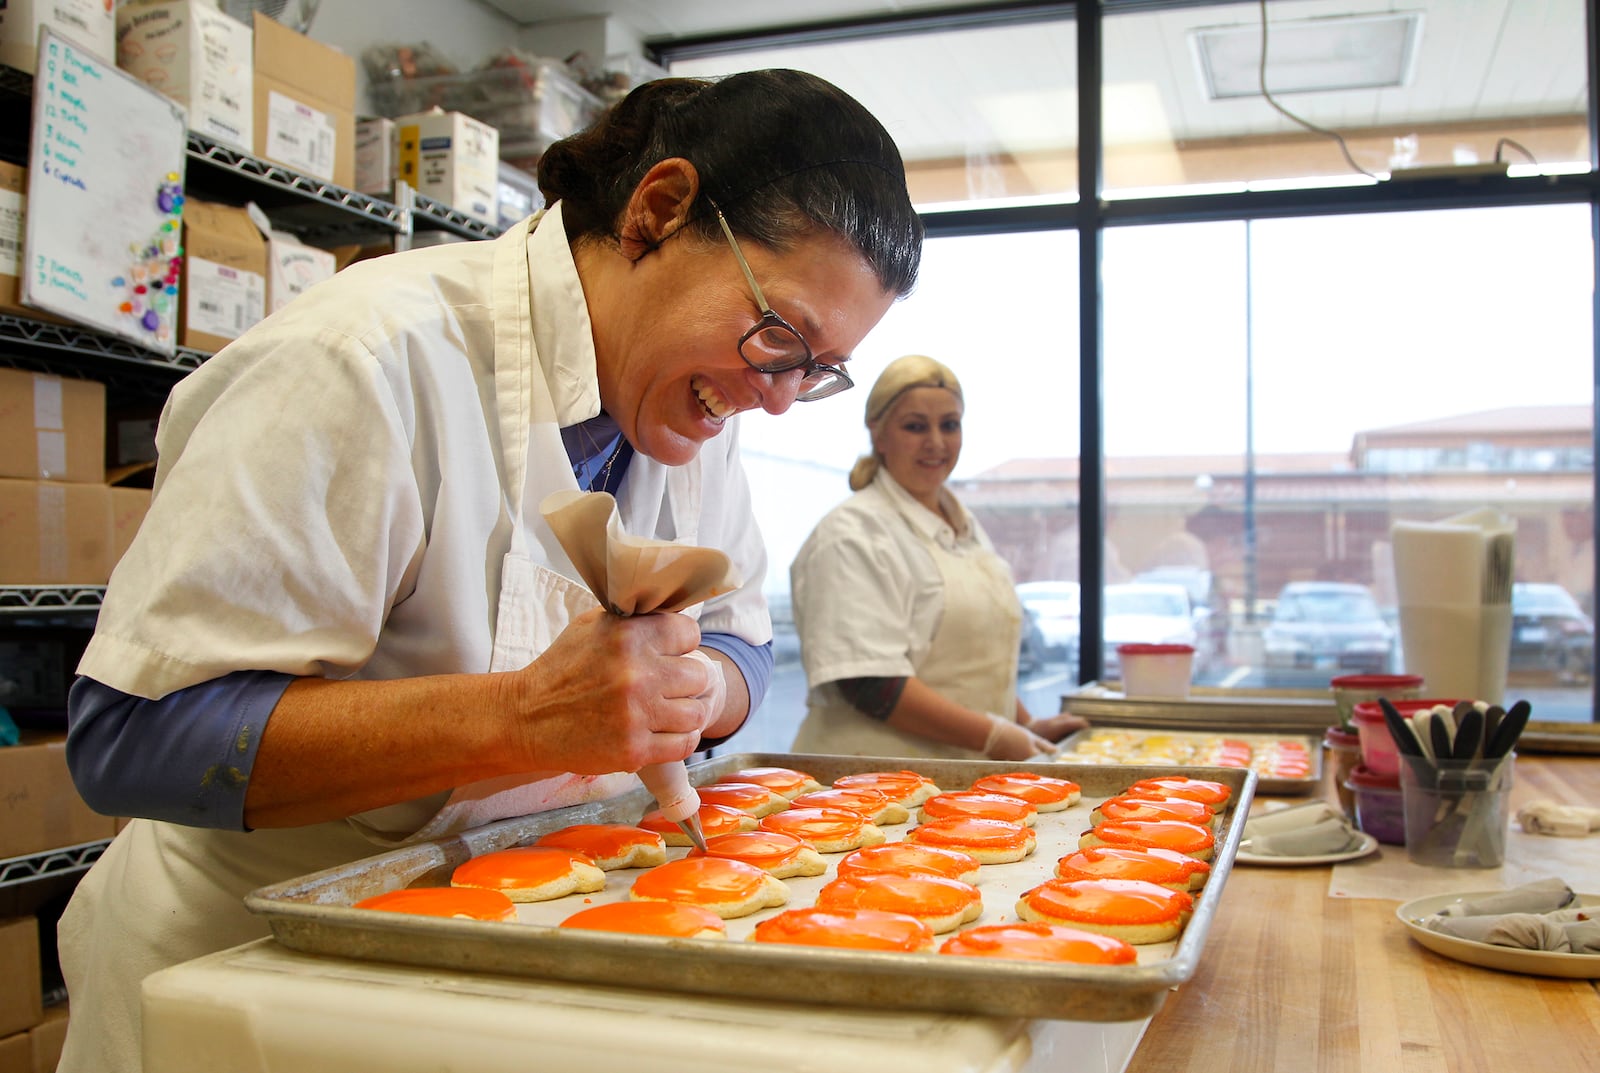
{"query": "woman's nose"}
(778, 390)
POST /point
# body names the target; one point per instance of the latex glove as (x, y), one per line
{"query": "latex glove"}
(715, 695)
(1010, 740)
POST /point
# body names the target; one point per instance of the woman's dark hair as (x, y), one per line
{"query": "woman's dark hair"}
(782, 153)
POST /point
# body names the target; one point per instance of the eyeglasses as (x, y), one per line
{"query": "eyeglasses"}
(778, 346)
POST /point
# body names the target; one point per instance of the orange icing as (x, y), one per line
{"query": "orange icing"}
(472, 902)
(1108, 901)
(603, 840)
(1170, 834)
(857, 799)
(714, 820)
(857, 929)
(671, 919)
(1039, 789)
(896, 785)
(700, 879)
(764, 849)
(906, 857)
(812, 825)
(1211, 793)
(520, 866)
(1038, 941)
(959, 832)
(781, 780)
(740, 795)
(978, 805)
(897, 892)
(1150, 863)
(1121, 809)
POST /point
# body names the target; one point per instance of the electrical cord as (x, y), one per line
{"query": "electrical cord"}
(1326, 133)
(1503, 142)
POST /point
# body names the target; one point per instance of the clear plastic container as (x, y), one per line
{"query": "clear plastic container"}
(1457, 811)
(1351, 689)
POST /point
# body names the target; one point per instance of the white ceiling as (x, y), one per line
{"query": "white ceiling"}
(662, 20)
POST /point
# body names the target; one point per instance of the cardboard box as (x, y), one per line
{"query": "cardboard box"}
(375, 165)
(224, 285)
(21, 1000)
(452, 158)
(54, 534)
(52, 428)
(305, 95)
(48, 1037)
(196, 55)
(16, 1054)
(90, 24)
(40, 808)
(129, 505)
(292, 267)
(13, 230)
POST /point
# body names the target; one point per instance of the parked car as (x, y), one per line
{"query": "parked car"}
(1055, 605)
(1210, 616)
(1144, 613)
(1328, 626)
(1550, 632)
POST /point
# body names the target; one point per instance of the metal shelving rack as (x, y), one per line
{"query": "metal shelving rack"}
(70, 860)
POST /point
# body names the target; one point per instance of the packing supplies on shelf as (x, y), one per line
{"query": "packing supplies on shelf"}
(41, 809)
(452, 158)
(90, 24)
(292, 267)
(224, 286)
(375, 150)
(305, 94)
(196, 55)
(52, 428)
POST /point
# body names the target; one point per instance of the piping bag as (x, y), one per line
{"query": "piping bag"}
(639, 576)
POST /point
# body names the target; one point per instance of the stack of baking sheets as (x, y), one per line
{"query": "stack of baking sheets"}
(1264, 711)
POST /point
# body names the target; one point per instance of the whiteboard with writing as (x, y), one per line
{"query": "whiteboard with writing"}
(105, 197)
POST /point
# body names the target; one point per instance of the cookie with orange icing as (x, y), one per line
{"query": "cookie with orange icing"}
(610, 845)
(1178, 835)
(1045, 792)
(727, 887)
(780, 780)
(913, 858)
(747, 797)
(989, 841)
(469, 903)
(1215, 794)
(1153, 864)
(852, 929)
(974, 804)
(671, 920)
(873, 804)
(777, 854)
(531, 873)
(1132, 910)
(942, 904)
(714, 820)
(906, 787)
(1123, 808)
(826, 830)
(1039, 941)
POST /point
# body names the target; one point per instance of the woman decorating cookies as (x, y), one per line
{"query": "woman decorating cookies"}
(907, 618)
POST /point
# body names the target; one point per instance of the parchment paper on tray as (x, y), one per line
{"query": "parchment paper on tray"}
(632, 575)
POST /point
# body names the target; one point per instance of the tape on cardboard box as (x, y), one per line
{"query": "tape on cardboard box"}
(54, 534)
(52, 427)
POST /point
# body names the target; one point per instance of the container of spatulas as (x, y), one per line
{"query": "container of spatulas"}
(1455, 780)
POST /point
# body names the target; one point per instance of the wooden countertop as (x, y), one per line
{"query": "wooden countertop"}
(1294, 980)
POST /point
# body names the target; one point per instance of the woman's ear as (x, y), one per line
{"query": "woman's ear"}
(659, 206)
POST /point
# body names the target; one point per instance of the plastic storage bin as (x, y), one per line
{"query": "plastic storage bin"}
(1377, 745)
(1380, 804)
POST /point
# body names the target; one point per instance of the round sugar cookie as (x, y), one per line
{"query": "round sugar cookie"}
(779, 855)
(747, 797)
(610, 845)
(1215, 794)
(727, 887)
(853, 929)
(1125, 808)
(913, 858)
(471, 903)
(989, 841)
(780, 780)
(873, 804)
(906, 787)
(1045, 792)
(1129, 909)
(980, 806)
(672, 920)
(531, 873)
(1038, 941)
(826, 830)
(1153, 864)
(942, 904)
(1184, 837)
(714, 820)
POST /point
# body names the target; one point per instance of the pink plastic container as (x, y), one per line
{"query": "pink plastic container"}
(1378, 753)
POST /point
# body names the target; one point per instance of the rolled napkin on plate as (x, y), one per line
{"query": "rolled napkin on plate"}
(1315, 830)
(1549, 818)
(1540, 896)
(1565, 931)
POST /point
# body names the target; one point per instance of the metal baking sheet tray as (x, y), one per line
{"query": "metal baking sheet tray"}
(1266, 711)
(1073, 750)
(313, 913)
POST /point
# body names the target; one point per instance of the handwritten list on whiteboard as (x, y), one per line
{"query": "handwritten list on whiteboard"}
(105, 197)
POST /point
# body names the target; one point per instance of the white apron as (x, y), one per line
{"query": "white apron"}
(163, 894)
(972, 661)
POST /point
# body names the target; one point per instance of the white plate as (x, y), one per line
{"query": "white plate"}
(1367, 845)
(1489, 956)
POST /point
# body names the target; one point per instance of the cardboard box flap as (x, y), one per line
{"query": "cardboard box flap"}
(137, 475)
(319, 70)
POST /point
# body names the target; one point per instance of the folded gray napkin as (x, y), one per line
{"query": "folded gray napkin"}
(1562, 932)
(1541, 896)
(1333, 835)
(1548, 818)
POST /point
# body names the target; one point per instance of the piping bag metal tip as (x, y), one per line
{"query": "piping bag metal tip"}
(691, 826)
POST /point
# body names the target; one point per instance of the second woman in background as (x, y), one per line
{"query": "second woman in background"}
(908, 620)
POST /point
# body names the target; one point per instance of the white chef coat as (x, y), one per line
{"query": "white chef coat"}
(870, 588)
(386, 441)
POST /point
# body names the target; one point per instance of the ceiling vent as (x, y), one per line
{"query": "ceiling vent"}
(1308, 55)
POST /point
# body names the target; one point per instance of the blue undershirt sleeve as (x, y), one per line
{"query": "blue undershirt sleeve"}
(753, 661)
(185, 758)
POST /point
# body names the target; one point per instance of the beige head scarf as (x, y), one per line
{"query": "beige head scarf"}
(903, 374)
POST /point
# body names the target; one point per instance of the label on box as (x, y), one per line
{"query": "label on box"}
(13, 207)
(52, 530)
(223, 301)
(299, 136)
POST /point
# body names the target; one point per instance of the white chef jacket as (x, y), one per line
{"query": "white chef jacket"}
(385, 442)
